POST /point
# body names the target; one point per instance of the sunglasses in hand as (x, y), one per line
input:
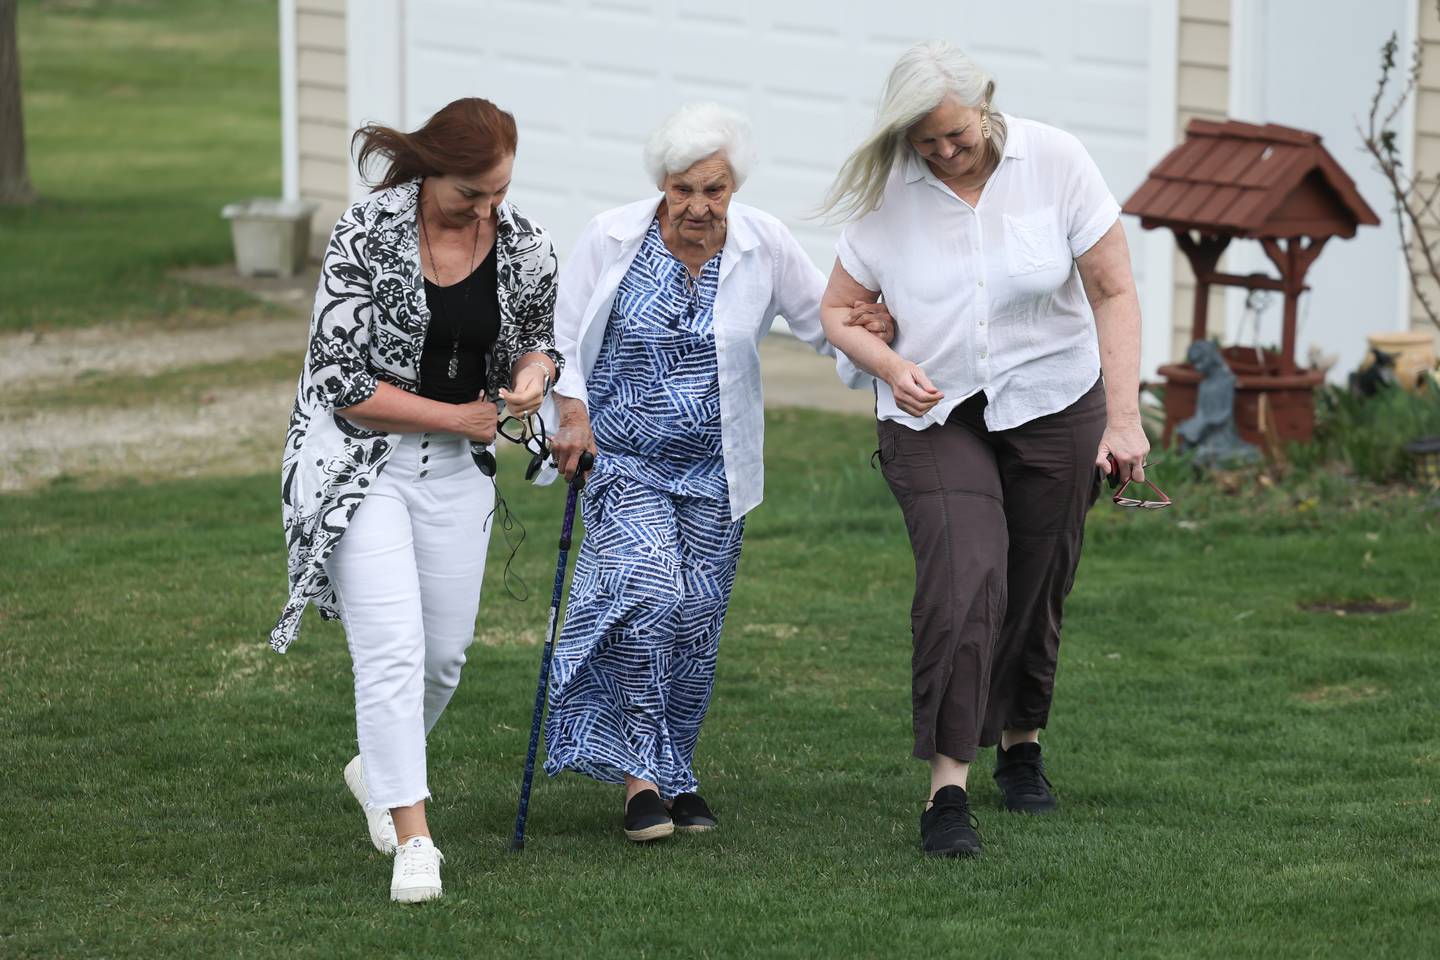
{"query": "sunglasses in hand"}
(1161, 500)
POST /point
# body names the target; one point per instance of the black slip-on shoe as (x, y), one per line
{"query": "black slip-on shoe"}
(646, 818)
(692, 814)
(1020, 774)
(948, 828)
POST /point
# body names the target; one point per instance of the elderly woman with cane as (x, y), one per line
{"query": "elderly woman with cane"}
(661, 312)
(998, 248)
(436, 306)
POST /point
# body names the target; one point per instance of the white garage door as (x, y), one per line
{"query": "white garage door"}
(588, 79)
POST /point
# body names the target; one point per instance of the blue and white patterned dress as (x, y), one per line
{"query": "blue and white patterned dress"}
(635, 664)
(655, 390)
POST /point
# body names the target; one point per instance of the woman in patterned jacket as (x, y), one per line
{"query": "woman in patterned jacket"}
(436, 305)
(660, 318)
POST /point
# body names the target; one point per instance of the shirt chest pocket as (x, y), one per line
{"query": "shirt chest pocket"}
(1033, 242)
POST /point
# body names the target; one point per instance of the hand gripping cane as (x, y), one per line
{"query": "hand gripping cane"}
(586, 461)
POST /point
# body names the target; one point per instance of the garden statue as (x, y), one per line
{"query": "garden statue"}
(1211, 431)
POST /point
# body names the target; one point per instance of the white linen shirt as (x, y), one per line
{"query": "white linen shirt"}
(988, 297)
(763, 272)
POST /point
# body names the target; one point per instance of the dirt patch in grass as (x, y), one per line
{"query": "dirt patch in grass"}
(1330, 695)
(154, 401)
(497, 637)
(180, 387)
(1346, 607)
(238, 431)
(776, 631)
(47, 360)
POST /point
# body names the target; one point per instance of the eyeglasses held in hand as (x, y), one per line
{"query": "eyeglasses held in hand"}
(1162, 499)
(530, 433)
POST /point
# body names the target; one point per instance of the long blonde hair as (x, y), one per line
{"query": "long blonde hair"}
(920, 80)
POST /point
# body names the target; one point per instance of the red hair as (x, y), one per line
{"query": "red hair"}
(464, 138)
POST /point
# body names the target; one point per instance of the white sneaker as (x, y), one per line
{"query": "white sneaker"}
(382, 826)
(416, 875)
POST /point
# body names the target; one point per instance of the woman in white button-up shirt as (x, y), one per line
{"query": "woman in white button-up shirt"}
(662, 308)
(998, 248)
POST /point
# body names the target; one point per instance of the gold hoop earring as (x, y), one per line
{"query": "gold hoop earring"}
(985, 120)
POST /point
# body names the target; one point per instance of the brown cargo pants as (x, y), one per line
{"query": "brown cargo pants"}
(996, 522)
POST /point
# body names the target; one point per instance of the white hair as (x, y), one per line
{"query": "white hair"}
(694, 132)
(919, 82)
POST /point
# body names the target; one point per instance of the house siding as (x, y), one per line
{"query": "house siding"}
(323, 134)
(1427, 142)
(1202, 90)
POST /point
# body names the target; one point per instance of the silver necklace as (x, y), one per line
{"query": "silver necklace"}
(453, 368)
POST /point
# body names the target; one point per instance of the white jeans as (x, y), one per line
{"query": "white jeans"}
(407, 573)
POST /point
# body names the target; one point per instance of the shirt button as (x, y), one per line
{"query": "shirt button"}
(423, 472)
(424, 444)
(982, 283)
(424, 459)
(984, 356)
(982, 322)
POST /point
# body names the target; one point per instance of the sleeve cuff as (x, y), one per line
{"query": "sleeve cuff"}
(572, 385)
(1095, 228)
(853, 266)
(358, 389)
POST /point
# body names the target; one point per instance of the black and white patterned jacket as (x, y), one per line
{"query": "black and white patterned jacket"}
(369, 325)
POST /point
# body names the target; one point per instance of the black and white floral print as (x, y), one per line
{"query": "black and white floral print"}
(369, 325)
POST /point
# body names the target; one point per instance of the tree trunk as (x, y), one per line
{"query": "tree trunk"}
(14, 175)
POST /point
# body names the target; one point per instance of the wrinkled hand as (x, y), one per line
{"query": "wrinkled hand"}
(476, 420)
(914, 393)
(1124, 440)
(573, 436)
(529, 391)
(875, 318)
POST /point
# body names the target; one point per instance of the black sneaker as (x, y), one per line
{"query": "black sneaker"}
(947, 829)
(691, 814)
(1020, 774)
(646, 818)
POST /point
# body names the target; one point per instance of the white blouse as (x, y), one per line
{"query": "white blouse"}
(988, 297)
(763, 272)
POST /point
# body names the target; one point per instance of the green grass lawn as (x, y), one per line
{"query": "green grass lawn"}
(1239, 777)
(143, 118)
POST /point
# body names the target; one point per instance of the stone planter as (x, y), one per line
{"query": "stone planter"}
(271, 237)
(1414, 352)
(1289, 399)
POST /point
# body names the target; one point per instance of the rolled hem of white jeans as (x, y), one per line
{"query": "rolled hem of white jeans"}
(372, 804)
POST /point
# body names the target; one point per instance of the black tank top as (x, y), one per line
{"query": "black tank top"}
(471, 309)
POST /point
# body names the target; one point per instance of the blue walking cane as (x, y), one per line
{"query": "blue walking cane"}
(586, 461)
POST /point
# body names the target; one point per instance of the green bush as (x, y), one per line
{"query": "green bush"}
(1368, 434)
